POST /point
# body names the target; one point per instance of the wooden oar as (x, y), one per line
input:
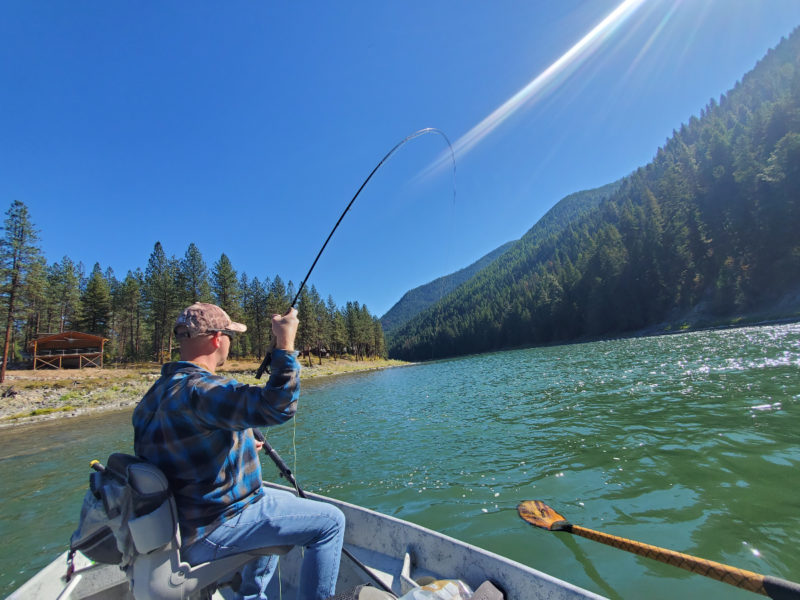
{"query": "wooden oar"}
(539, 514)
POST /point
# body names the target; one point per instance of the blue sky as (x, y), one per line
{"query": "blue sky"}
(246, 127)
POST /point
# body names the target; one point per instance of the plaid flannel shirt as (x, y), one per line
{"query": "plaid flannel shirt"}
(197, 428)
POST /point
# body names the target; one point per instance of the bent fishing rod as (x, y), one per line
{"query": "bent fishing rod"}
(268, 357)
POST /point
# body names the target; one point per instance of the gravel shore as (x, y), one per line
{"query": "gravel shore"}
(29, 396)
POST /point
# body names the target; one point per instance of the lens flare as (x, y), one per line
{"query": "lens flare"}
(547, 80)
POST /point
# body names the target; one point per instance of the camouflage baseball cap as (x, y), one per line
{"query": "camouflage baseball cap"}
(202, 318)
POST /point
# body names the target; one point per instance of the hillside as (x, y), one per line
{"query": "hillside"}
(418, 299)
(708, 228)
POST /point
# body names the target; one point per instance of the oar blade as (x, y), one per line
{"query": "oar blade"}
(537, 513)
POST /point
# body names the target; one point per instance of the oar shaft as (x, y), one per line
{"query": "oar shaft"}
(738, 577)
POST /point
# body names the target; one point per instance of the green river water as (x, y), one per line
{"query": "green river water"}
(687, 441)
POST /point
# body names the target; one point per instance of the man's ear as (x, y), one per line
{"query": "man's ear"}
(215, 339)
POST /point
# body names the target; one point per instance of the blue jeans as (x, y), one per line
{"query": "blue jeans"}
(279, 518)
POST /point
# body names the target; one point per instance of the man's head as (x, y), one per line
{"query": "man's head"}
(203, 319)
(201, 330)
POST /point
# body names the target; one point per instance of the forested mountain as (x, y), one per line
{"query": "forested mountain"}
(710, 226)
(418, 299)
(415, 301)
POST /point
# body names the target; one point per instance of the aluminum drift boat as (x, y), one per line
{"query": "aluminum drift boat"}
(397, 552)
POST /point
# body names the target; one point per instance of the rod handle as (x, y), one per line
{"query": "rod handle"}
(264, 367)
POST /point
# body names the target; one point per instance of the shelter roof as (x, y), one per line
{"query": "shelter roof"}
(68, 339)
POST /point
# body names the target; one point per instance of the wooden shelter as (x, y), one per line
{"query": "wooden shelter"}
(69, 349)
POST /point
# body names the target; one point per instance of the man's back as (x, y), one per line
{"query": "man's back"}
(196, 427)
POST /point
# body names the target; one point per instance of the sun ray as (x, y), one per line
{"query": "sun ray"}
(546, 81)
(653, 36)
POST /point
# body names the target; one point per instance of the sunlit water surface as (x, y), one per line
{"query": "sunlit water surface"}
(689, 442)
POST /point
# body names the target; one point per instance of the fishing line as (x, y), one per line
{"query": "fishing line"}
(268, 357)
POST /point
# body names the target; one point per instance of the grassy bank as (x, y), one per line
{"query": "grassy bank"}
(27, 396)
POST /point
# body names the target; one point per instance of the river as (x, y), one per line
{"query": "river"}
(688, 441)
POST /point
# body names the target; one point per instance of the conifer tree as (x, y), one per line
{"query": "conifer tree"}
(336, 329)
(96, 303)
(241, 344)
(258, 316)
(193, 277)
(18, 252)
(128, 306)
(290, 294)
(65, 294)
(225, 286)
(278, 300)
(307, 330)
(320, 330)
(351, 315)
(365, 334)
(379, 342)
(162, 299)
(35, 300)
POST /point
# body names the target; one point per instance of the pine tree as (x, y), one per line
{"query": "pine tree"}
(128, 306)
(352, 315)
(63, 290)
(365, 335)
(379, 341)
(161, 297)
(96, 303)
(18, 252)
(278, 300)
(193, 277)
(258, 316)
(307, 330)
(320, 331)
(225, 286)
(241, 346)
(35, 300)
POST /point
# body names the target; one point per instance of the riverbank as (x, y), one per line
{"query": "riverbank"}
(29, 396)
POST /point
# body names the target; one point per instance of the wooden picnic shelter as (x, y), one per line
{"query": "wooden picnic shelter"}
(69, 349)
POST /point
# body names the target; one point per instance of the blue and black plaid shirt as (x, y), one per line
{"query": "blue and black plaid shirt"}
(197, 428)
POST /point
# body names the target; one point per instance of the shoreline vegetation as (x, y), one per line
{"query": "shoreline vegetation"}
(29, 396)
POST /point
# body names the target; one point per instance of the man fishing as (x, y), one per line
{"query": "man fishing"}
(197, 427)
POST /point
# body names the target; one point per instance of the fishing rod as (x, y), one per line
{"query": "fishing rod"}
(268, 357)
(286, 473)
(540, 515)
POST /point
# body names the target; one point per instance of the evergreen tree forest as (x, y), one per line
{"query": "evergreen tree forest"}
(136, 313)
(417, 300)
(709, 227)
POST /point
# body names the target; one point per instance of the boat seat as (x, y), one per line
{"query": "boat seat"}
(157, 570)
